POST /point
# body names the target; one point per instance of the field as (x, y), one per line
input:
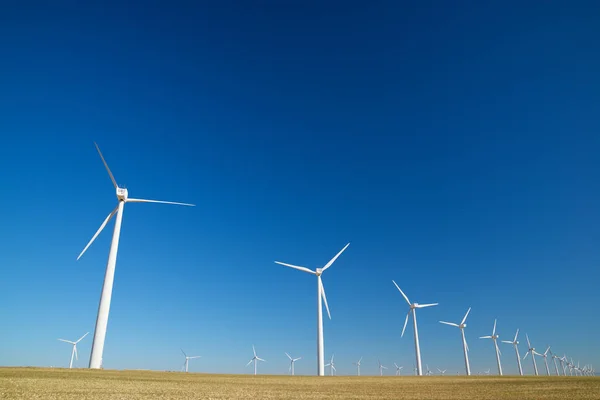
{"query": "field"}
(37, 383)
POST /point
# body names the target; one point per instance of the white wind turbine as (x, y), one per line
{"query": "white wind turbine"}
(413, 310)
(187, 359)
(533, 354)
(515, 343)
(397, 369)
(381, 368)
(292, 361)
(331, 365)
(254, 359)
(554, 358)
(358, 366)
(495, 337)
(105, 297)
(563, 361)
(74, 351)
(545, 355)
(462, 327)
(442, 371)
(321, 297)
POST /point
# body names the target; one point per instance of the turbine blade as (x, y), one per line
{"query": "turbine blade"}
(547, 350)
(396, 365)
(528, 343)
(405, 322)
(526, 354)
(324, 298)
(66, 341)
(403, 295)
(494, 330)
(288, 356)
(249, 362)
(112, 178)
(485, 337)
(112, 213)
(79, 340)
(427, 305)
(466, 315)
(516, 334)
(185, 355)
(335, 258)
(159, 201)
(296, 267)
(194, 357)
(296, 359)
(254, 350)
(449, 323)
(260, 359)
(507, 341)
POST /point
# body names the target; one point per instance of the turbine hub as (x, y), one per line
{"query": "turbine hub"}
(462, 326)
(319, 271)
(122, 194)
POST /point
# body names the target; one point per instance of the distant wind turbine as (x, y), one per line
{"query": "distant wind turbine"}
(494, 338)
(531, 350)
(358, 366)
(320, 299)
(413, 310)
(545, 355)
(381, 368)
(462, 327)
(515, 343)
(554, 358)
(255, 359)
(187, 359)
(331, 365)
(397, 369)
(292, 361)
(442, 371)
(105, 297)
(74, 351)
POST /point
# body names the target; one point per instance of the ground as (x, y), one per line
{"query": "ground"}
(83, 384)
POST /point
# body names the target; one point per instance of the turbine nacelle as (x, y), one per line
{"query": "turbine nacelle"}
(122, 194)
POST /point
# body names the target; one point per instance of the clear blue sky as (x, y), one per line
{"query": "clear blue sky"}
(455, 145)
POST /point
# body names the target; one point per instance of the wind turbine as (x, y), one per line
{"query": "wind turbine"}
(462, 327)
(563, 360)
(533, 354)
(358, 366)
(255, 359)
(74, 351)
(187, 359)
(515, 343)
(292, 361)
(320, 299)
(429, 372)
(413, 310)
(545, 355)
(397, 369)
(381, 368)
(494, 337)
(331, 364)
(105, 297)
(442, 371)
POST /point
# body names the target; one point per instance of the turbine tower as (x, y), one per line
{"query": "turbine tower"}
(397, 369)
(292, 361)
(462, 327)
(105, 297)
(187, 359)
(381, 368)
(358, 366)
(515, 343)
(320, 299)
(331, 364)
(74, 351)
(413, 310)
(533, 354)
(494, 338)
(254, 359)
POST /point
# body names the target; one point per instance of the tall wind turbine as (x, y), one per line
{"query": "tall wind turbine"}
(397, 369)
(254, 359)
(413, 310)
(462, 327)
(533, 354)
(381, 368)
(358, 366)
(187, 359)
(74, 351)
(563, 361)
(554, 358)
(494, 337)
(292, 361)
(331, 365)
(515, 343)
(320, 299)
(545, 355)
(105, 297)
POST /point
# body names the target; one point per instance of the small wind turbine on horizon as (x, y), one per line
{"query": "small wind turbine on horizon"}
(462, 327)
(187, 359)
(74, 351)
(533, 354)
(442, 371)
(381, 368)
(515, 343)
(397, 369)
(545, 355)
(494, 338)
(358, 366)
(331, 365)
(292, 361)
(413, 310)
(106, 295)
(321, 298)
(255, 359)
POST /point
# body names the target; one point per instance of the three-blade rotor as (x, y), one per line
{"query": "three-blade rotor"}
(412, 306)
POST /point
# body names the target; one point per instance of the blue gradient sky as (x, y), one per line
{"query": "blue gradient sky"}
(455, 145)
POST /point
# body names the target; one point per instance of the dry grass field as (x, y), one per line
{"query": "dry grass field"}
(37, 383)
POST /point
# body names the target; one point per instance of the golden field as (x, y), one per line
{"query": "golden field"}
(38, 383)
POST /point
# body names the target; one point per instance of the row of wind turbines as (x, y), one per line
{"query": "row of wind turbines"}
(106, 295)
